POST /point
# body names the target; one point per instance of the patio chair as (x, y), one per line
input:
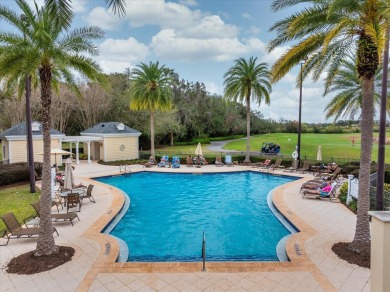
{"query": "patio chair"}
(228, 160)
(218, 161)
(293, 167)
(320, 194)
(57, 202)
(263, 164)
(88, 194)
(15, 230)
(73, 201)
(276, 165)
(305, 167)
(61, 216)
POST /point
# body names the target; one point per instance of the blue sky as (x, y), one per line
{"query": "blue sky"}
(200, 39)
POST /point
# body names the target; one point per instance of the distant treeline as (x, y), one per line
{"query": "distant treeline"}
(196, 114)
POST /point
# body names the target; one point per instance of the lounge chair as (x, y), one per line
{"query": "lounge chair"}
(265, 164)
(190, 161)
(150, 163)
(15, 230)
(228, 160)
(198, 162)
(276, 165)
(176, 162)
(333, 176)
(218, 161)
(305, 167)
(164, 162)
(60, 216)
(320, 194)
(293, 167)
(88, 194)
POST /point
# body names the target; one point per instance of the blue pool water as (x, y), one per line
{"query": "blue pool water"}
(169, 212)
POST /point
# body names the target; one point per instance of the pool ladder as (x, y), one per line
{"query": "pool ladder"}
(204, 252)
(124, 168)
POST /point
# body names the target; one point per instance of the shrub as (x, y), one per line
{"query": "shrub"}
(344, 189)
(353, 205)
(17, 172)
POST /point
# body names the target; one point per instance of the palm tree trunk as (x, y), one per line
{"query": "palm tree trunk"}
(362, 233)
(248, 128)
(152, 134)
(46, 244)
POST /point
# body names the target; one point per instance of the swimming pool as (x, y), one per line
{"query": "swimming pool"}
(170, 211)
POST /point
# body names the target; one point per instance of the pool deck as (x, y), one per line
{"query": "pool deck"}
(313, 266)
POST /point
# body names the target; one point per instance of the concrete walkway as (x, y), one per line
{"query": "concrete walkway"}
(313, 266)
(217, 146)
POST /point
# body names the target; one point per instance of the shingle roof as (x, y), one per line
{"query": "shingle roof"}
(109, 128)
(20, 130)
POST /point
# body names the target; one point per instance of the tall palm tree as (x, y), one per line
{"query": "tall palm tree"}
(49, 55)
(347, 102)
(244, 81)
(328, 32)
(151, 90)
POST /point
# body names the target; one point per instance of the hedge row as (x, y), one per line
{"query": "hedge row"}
(17, 172)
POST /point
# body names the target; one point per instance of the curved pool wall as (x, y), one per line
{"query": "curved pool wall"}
(280, 248)
(123, 248)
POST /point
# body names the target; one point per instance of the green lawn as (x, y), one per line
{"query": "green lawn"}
(333, 145)
(182, 150)
(17, 200)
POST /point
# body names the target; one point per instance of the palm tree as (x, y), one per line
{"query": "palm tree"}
(328, 32)
(348, 99)
(151, 90)
(49, 55)
(244, 81)
(63, 8)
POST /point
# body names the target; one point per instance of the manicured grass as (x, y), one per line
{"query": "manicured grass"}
(333, 145)
(180, 150)
(17, 199)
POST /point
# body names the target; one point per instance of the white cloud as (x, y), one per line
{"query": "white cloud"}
(212, 87)
(271, 57)
(208, 27)
(189, 2)
(79, 6)
(166, 44)
(102, 18)
(117, 54)
(160, 13)
(253, 30)
(285, 102)
(247, 16)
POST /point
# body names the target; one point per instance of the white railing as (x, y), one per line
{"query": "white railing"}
(124, 169)
(353, 186)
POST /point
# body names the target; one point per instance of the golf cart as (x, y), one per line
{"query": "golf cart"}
(270, 148)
